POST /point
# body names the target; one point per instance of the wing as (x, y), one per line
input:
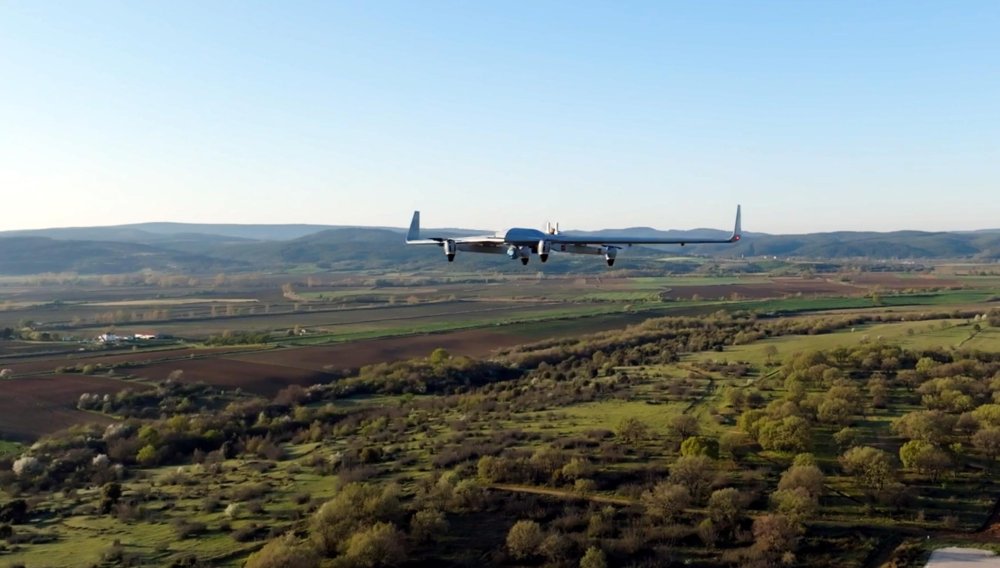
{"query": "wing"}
(413, 236)
(566, 239)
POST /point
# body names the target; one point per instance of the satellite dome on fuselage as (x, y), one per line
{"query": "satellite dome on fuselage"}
(524, 236)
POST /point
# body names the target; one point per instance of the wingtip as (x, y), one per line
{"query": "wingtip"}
(737, 228)
(413, 233)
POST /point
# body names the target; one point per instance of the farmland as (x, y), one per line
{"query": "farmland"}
(321, 327)
(542, 408)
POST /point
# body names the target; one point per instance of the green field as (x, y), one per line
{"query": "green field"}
(915, 335)
(10, 448)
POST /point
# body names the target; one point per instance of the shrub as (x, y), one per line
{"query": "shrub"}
(524, 539)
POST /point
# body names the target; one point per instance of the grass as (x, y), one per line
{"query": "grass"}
(609, 414)
(916, 335)
(803, 304)
(8, 448)
(377, 330)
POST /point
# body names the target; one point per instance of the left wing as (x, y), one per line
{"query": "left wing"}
(413, 236)
(566, 239)
(452, 245)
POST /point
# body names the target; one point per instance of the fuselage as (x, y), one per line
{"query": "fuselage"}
(520, 236)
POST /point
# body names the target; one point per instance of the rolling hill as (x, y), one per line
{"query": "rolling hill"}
(195, 248)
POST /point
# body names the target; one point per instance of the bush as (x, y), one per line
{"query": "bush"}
(524, 539)
(184, 528)
(284, 552)
(249, 533)
(428, 525)
(379, 545)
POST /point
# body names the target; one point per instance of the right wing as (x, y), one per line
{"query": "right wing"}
(561, 239)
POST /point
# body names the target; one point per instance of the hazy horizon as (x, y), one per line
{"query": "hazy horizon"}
(814, 116)
(402, 227)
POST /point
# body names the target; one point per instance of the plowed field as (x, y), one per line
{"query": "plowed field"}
(31, 407)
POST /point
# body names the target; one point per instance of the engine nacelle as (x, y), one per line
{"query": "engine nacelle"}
(609, 255)
(544, 247)
(522, 252)
(450, 248)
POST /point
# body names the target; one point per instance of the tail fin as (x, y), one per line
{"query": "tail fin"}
(414, 233)
(737, 229)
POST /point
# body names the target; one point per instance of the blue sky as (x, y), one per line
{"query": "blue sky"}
(815, 115)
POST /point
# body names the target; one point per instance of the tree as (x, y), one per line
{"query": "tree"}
(797, 504)
(871, 467)
(847, 437)
(593, 558)
(666, 501)
(725, 509)
(791, 434)
(14, 512)
(708, 532)
(684, 426)
(694, 472)
(735, 444)
(379, 545)
(835, 411)
(771, 351)
(556, 547)
(924, 457)
(490, 469)
(439, 356)
(808, 477)
(428, 525)
(147, 455)
(284, 552)
(576, 468)
(700, 446)
(354, 506)
(932, 426)
(524, 539)
(110, 494)
(631, 431)
(26, 466)
(987, 441)
(775, 534)
(988, 415)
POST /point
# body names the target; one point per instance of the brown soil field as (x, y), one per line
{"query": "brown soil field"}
(474, 343)
(255, 377)
(896, 281)
(777, 288)
(8, 348)
(324, 317)
(44, 364)
(36, 406)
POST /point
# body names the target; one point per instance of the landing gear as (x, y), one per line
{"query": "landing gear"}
(611, 262)
(451, 257)
(524, 260)
(543, 257)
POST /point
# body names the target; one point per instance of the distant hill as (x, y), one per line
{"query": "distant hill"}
(204, 248)
(36, 255)
(160, 232)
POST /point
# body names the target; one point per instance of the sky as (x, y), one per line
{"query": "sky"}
(815, 115)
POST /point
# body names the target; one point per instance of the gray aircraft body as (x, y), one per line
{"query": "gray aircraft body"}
(519, 243)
